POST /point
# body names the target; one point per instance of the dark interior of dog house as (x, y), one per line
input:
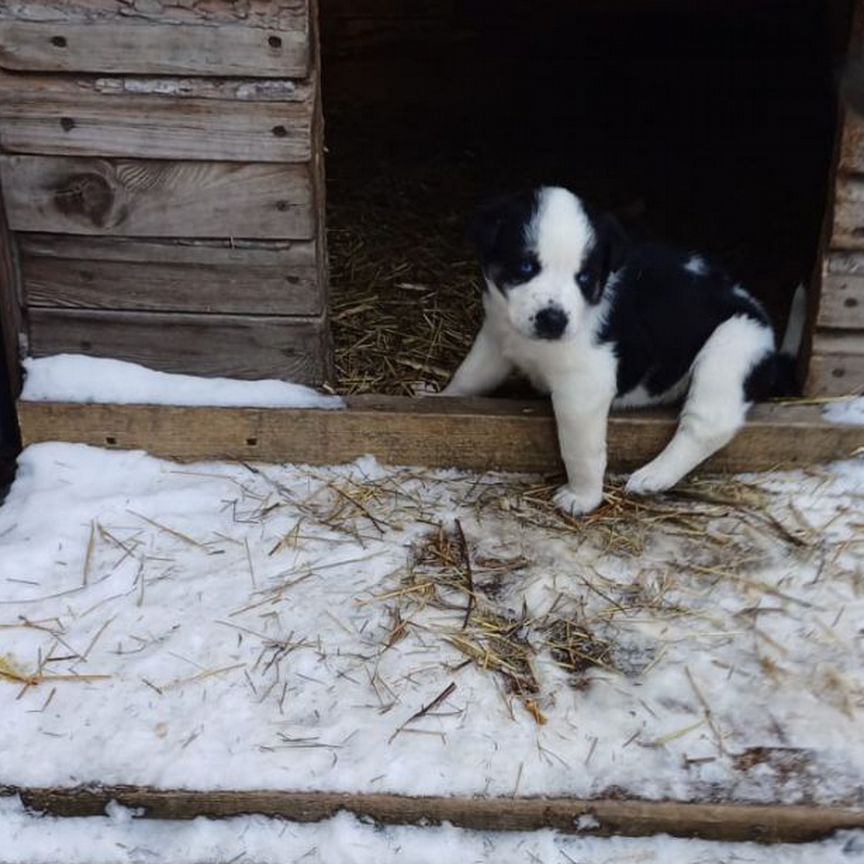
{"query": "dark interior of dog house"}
(709, 124)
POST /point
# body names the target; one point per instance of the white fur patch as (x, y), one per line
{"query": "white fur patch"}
(560, 234)
(561, 230)
(696, 266)
(715, 408)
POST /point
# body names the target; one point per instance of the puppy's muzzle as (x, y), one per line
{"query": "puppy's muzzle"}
(550, 322)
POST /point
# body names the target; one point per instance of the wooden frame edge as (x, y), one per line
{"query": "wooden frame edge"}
(737, 822)
(471, 434)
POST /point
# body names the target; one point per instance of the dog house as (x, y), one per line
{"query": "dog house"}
(163, 169)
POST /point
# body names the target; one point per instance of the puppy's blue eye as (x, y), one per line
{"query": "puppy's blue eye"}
(583, 279)
(527, 267)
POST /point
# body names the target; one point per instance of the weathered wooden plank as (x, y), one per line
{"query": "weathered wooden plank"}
(730, 822)
(319, 184)
(848, 228)
(57, 116)
(841, 300)
(278, 14)
(225, 89)
(474, 434)
(153, 49)
(229, 345)
(836, 364)
(852, 143)
(275, 278)
(136, 198)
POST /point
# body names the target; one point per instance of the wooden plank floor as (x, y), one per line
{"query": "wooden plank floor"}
(474, 434)
(729, 822)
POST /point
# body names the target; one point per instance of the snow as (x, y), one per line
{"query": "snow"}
(120, 837)
(849, 411)
(76, 378)
(222, 626)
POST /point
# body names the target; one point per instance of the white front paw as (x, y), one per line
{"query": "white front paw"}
(577, 503)
(650, 478)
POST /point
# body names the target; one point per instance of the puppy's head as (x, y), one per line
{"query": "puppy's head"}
(547, 259)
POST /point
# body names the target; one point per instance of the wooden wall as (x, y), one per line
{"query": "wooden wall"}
(162, 174)
(835, 360)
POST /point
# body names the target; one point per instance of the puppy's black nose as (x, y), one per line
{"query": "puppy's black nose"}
(551, 322)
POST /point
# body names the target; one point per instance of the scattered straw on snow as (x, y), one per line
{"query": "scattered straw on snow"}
(397, 630)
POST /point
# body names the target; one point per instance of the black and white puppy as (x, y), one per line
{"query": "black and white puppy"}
(600, 323)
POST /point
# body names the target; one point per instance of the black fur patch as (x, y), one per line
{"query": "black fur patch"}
(608, 253)
(497, 231)
(662, 314)
(772, 376)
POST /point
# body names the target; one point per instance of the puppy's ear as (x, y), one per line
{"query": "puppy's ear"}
(609, 254)
(485, 224)
(617, 243)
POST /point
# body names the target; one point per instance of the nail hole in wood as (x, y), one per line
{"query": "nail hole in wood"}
(58, 41)
(251, 442)
(850, 302)
(838, 373)
(282, 206)
(110, 440)
(280, 131)
(274, 42)
(86, 346)
(67, 123)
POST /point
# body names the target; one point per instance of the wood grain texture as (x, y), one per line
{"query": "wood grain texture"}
(474, 434)
(836, 364)
(278, 14)
(138, 198)
(848, 228)
(153, 49)
(319, 190)
(223, 89)
(852, 144)
(841, 300)
(729, 822)
(259, 278)
(222, 345)
(57, 116)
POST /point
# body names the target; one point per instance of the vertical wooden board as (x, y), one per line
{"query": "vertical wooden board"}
(210, 345)
(260, 278)
(137, 198)
(67, 116)
(153, 49)
(10, 327)
(320, 190)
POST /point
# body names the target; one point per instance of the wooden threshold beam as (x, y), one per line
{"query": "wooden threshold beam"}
(731, 822)
(473, 434)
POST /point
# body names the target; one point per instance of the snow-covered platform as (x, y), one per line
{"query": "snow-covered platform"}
(384, 631)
